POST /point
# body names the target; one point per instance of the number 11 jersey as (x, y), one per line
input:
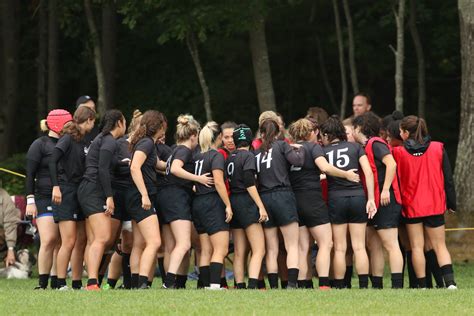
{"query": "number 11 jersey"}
(345, 156)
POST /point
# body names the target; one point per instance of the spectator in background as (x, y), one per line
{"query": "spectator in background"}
(9, 219)
(361, 104)
(318, 114)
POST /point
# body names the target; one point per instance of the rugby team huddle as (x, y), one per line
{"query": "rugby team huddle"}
(120, 200)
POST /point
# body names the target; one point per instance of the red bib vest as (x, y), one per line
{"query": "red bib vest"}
(421, 181)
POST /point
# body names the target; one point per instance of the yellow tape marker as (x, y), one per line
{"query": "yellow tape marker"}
(13, 173)
(458, 229)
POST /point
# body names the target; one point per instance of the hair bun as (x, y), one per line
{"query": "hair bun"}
(397, 115)
(137, 113)
(184, 119)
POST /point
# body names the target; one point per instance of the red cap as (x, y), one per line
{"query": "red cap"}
(57, 119)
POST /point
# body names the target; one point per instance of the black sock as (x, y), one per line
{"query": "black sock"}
(429, 280)
(100, 279)
(149, 283)
(421, 283)
(112, 283)
(273, 280)
(253, 284)
(348, 277)
(43, 281)
(76, 284)
(61, 282)
(363, 281)
(215, 271)
(161, 266)
(134, 281)
(448, 274)
(301, 284)
(241, 286)
(181, 281)
(397, 280)
(92, 282)
(412, 280)
(432, 262)
(170, 280)
(204, 276)
(260, 284)
(338, 283)
(293, 276)
(309, 284)
(283, 284)
(127, 275)
(142, 281)
(224, 283)
(324, 281)
(54, 282)
(377, 282)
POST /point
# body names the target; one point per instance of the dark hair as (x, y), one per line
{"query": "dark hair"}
(318, 114)
(416, 126)
(334, 129)
(110, 120)
(365, 95)
(269, 130)
(395, 116)
(152, 121)
(228, 124)
(242, 136)
(369, 124)
(81, 115)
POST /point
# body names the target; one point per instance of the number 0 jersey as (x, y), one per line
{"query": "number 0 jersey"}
(345, 156)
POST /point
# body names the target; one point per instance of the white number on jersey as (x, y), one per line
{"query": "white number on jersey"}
(342, 160)
(230, 169)
(266, 159)
(294, 168)
(198, 167)
(168, 166)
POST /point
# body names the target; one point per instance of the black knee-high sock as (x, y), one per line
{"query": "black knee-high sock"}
(170, 280)
(76, 284)
(309, 284)
(293, 277)
(205, 276)
(253, 284)
(181, 281)
(448, 274)
(301, 284)
(348, 277)
(283, 284)
(377, 282)
(215, 270)
(324, 281)
(112, 282)
(363, 281)
(273, 280)
(43, 281)
(92, 282)
(412, 279)
(241, 286)
(224, 283)
(161, 266)
(100, 279)
(338, 284)
(428, 278)
(126, 273)
(261, 284)
(397, 280)
(54, 282)
(134, 281)
(142, 281)
(61, 283)
(432, 262)
(422, 283)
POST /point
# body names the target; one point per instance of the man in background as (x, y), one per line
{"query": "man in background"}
(9, 219)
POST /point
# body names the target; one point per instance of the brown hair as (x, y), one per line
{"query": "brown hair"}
(318, 114)
(81, 115)
(269, 130)
(187, 127)
(152, 121)
(301, 129)
(365, 95)
(416, 126)
(134, 122)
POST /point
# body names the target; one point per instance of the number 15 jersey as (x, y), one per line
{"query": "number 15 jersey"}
(345, 156)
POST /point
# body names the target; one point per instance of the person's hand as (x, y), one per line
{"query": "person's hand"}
(371, 208)
(110, 206)
(352, 175)
(228, 214)
(31, 210)
(10, 258)
(385, 198)
(206, 180)
(263, 215)
(146, 204)
(451, 211)
(57, 197)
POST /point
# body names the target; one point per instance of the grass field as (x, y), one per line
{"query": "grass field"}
(17, 297)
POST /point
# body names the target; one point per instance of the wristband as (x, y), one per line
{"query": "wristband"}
(10, 248)
(30, 201)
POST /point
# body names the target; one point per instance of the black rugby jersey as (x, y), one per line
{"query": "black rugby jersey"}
(72, 161)
(164, 152)
(206, 163)
(122, 178)
(38, 180)
(147, 146)
(307, 176)
(380, 151)
(238, 162)
(184, 154)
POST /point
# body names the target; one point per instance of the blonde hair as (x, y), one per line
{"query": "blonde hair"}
(208, 135)
(44, 126)
(135, 121)
(268, 115)
(187, 126)
(301, 129)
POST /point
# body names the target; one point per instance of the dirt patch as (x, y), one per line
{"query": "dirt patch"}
(460, 243)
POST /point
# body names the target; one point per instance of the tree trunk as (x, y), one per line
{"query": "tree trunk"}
(465, 151)
(324, 74)
(109, 46)
(10, 32)
(261, 65)
(53, 80)
(42, 61)
(194, 51)
(399, 54)
(420, 57)
(99, 67)
(342, 64)
(352, 63)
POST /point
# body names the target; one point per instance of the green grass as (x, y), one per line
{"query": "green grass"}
(17, 297)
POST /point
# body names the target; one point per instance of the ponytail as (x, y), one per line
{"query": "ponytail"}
(151, 122)
(81, 115)
(44, 126)
(416, 127)
(269, 131)
(208, 135)
(110, 120)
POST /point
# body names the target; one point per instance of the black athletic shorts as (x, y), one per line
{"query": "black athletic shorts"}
(175, 203)
(69, 209)
(312, 209)
(428, 221)
(245, 211)
(347, 209)
(91, 198)
(281, 207)
(387, 216)
(44, 206)
(209, 214)
(120, 202)
(134, 208)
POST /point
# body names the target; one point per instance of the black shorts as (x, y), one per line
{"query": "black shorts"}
(209, 214)
(91, 198)
(175, 204)
(428, 221)
(245, 211)
(387, 216)
(44, 206)
(281, 207)
(312, 209)
(69, 209)
(348, 209)
(120, 202)
(134, 209)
